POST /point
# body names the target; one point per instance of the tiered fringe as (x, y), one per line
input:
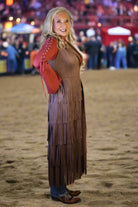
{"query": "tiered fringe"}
(66, 138)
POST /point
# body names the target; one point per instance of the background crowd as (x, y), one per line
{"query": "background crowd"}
(115, 56)
(85, 12)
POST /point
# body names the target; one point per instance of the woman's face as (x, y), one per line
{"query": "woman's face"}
(61, 24)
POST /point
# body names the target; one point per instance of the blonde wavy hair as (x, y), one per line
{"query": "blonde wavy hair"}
(48, 30)
(48, 27)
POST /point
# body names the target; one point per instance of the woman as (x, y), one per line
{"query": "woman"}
(66, 113)
(121, 56)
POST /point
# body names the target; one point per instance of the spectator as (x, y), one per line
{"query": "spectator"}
(121, 56)
(21, 54)
(81, 39)
(100, 51)
(3, 53)
(92, 49)
(112, 55)
(11, 58)
(26, 60)
(135, 54)
(130, 52)
(102, 57)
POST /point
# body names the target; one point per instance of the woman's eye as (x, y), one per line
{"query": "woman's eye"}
(58, 21)
(67, 21)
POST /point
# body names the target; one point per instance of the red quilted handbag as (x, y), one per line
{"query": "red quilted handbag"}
(51, 78)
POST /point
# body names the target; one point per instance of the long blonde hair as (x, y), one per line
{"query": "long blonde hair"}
(48, 30)
(48, 27)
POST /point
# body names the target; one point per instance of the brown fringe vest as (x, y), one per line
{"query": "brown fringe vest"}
(66, 121)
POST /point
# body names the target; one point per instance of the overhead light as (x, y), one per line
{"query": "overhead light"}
(18, 20)
(32, 23)
(10, 18)
(135, 8)
(9, 2)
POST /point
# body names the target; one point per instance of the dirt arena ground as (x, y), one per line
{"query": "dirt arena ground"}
(111, 99)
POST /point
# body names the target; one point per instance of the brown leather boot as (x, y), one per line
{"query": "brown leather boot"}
(73, 192)
(68, 199)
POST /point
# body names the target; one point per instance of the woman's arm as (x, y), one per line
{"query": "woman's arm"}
(48, 52)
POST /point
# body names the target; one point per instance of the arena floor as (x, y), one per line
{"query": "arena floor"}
(111, 99)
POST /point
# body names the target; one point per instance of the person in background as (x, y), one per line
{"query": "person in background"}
(26, 57)
(102, 57)
(135, 54)
(66, 111)
(81, 37)
(100, 52)
(80, 44)
(92, 49)
(130, 52)
(112, 49)
(11, 58)
(121, 56)
(3, 56)
(21, 54)
(3, 53)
